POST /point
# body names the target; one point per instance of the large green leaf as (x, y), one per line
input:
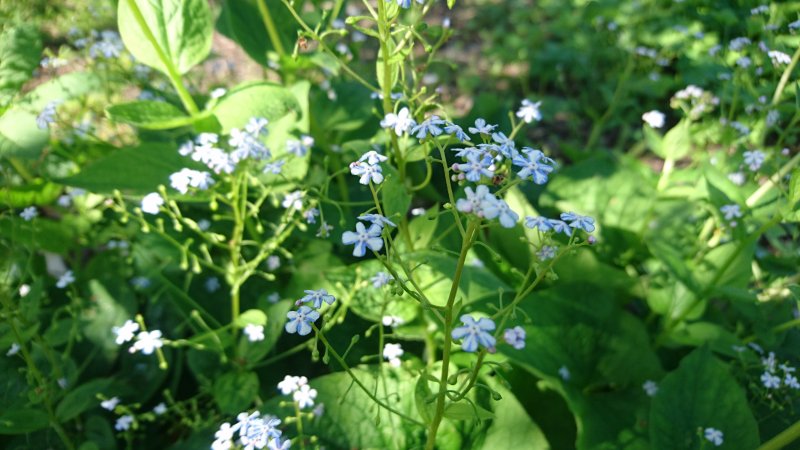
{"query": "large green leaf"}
(183, 30)
(20, 50)
(81, 399)
(23, 420)
(235, 391)
(137, 170)
(256, 99)
(150, 115)
(20, 136)
(394, 196)
(701, 394)
(106, 312)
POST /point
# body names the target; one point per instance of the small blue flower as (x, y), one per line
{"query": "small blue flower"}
(405, 3)
(367, 172)
(505, 145)
(542, 223)
(381, 279)
(561, 227)
(372, 157)
(500, 209)
(482, 127)
(474, 333)
(467, 151)
(300, 321)
(515, 337)
(363, 238)
(476, 166)
(432, 127)
(584, 223)
(455, 130)
(377, 219)
(534, 164)
(317, 297)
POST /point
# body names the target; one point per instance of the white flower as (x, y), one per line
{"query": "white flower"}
(147, 342)
(770, 381)
(218, 92)
(65, 280)
(381, 279)
(291, 384)
(392, 353)
(15, 348)
(254, 333)
(392, 321)
(654, 118)
(110, 404)
(779, 58)
(151, 203)
(529, 111)
(24, 290)
(650, 388)
(293, 199)
(124, 423)
(305, 396)
(400, 122)
(160, 409)
(126, 332)
(713, 435)
(273, 263)
(29, 213)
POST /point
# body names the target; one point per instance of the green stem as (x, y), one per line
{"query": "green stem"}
(774, 180)
(466, 244)
(272, 31)
(783, 438)
(785, 77)
(358, 382)
(172, 71)
(299, 417)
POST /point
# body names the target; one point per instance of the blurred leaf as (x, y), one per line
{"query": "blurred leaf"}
(183, 30)
(36, 192)
(466, 411)
(234, 392)
(251, 316)
(100, 433)
(81, 399)
(104, 314)
(511, 426)
(794, 188)
(256, 99)
(276, 319)
(148, 114)
(241, 21)
(394, 196)
(20, 136)
(22, 421)
(20, 51)
(701, 394)
(135, 171)
(677, 142)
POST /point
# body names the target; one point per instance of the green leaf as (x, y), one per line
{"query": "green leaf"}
(241, 21)
(183, 30)
(148, 114)
(466, 411)
(701, 394)
(511, 427)
(136, 171)
(104, 314)
(81, 398)
(272, 331)
(235, 391)
(36, 192)
(256, 99)
(20, 136)
(677, 142)
(251, 316)
(394, 196)
(654, 141)
(22, 421)
(794, 188)
(423, 398)
(20, 51)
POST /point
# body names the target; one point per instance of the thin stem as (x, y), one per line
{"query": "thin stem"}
(272, 31)
(466, 244)
(785, 77)
(774, 180)
(172, 71)
(783, 438)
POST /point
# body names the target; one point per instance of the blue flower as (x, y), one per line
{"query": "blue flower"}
(500, 209)
(475, 200)
(505, 145)
(381, 279)
(584, 223)
(432, 127)
(515, 337)
(317, 297)
(534, 165)
(465, 152)
(542, 223)
(561, 227)
(482, 127)
(377, 219)
(474, 333)
(372, 157)
(300, 321)
(456, 131)
(405, 3)
(363, 238)
(367, 172)
(476, 166)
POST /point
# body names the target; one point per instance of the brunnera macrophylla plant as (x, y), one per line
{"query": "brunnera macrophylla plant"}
(335, 259)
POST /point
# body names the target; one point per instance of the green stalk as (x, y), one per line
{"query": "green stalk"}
(172, 71)
(785, 77)
(466, 244)
(783, 438)
(272, 31)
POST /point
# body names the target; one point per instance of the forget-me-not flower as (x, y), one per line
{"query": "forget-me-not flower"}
(482, 127)
(377, 219)
(475, 333)
(367, 172)
(364, 238)
(529, 111)
(432, 126)
(400, 122)
(29, 213)
(151, 203)
(300, 321)
(534, 164)
(317, 297)
(542, 223)
(457, 131)
(476, 167)
(578, 221)
(515, 337)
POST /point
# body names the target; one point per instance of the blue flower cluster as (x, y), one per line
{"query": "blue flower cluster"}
(368, 168)
(255, 432)
(364, 238)
(568, 222)
(300, 321)
(484, 204)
